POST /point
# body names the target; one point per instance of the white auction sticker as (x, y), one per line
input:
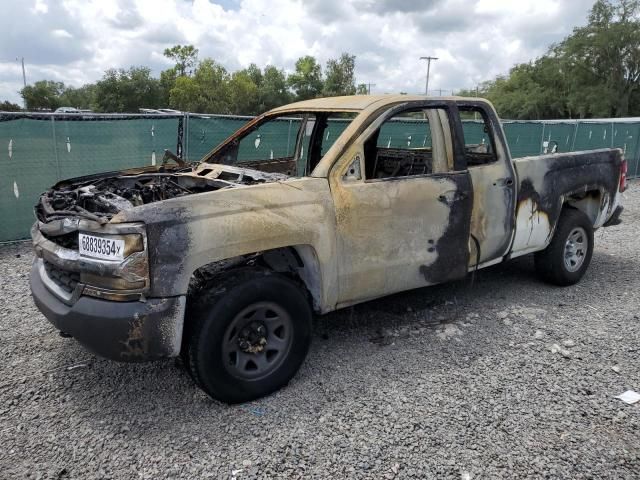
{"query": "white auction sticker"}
(100, 247)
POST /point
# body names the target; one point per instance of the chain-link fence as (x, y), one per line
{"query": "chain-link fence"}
(37, 150)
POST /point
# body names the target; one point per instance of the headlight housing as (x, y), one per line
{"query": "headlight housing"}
(117, 279)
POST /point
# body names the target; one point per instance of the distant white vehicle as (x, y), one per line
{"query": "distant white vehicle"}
(160, 111)
(67, 110)
(73, 110)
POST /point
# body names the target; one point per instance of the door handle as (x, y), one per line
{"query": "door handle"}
(503, 182)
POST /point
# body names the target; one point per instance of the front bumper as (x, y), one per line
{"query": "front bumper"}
(124, 331)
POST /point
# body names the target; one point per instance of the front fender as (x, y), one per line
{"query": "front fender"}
(188, 232)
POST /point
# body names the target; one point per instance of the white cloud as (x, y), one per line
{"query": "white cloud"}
(475, 40)
(61, 33)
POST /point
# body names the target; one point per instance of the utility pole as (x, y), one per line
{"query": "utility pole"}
(369, 89)
(428, 59)
(24, 80)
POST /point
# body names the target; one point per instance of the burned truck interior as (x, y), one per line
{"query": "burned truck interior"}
(309, 136)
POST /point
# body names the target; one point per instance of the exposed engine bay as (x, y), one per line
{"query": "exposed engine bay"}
(100, 197)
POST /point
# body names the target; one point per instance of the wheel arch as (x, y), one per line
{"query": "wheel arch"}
(298, 262)
(593, 203)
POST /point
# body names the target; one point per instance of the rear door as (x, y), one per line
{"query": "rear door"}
(403, 205)
(494, 183)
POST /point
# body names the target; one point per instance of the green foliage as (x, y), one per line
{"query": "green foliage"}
(185, 56)
(306, 81)
(167, 82)
(199, 86)
(83, 97)
(43, 95)
(8, 106)
(273, 91)
(340, 76)
(243, 93)
(206, 91)
(127, 90)
(362, 89)
(594, 72)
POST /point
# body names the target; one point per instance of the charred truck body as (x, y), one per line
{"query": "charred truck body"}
(223, 262)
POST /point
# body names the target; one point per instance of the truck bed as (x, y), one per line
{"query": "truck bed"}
(586, 180)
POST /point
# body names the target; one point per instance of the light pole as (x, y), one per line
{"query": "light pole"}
(369, 89)
(428, 59)
(24, 80)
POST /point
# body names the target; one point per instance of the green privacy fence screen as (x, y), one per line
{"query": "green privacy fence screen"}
(37, 150)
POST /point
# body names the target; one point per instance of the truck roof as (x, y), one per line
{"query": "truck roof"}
(356, 103)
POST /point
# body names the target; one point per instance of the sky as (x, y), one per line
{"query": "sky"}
(75, 41)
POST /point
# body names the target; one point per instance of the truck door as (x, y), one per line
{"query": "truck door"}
(403, 205)
(494, 183)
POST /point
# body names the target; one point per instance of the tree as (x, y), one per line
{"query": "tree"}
(127, 90)
(206, 91)
(81, 97)
(254, 73)
(603, 58)
(8, 106)
(340, 76)
(185, 56)
(594, 72)
(167, 82)
(306, 81)
(362, 89)
(186, 95)
(273, 91)
(43, 95)
(270, 90)
(243, 94)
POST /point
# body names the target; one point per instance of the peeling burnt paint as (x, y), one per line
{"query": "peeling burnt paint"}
(136, 343)
(156, 331)
(169, 242)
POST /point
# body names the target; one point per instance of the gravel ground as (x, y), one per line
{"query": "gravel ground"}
(506, 377)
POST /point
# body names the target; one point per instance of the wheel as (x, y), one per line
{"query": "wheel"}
(248, 335)
(567, 257)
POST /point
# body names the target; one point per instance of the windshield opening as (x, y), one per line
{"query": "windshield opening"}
(293, 145)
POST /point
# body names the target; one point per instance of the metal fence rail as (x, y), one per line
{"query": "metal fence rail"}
(37, 150)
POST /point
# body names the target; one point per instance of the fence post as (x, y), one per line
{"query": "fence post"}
(611, 134)
(179, 151)
(55, 147)
(575, 134)
(637, 152)
(186, 136)
(542, 141)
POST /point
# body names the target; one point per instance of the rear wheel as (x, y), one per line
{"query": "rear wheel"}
(567, 257)
(249, 336)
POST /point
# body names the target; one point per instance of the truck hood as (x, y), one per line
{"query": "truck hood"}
(101, 197)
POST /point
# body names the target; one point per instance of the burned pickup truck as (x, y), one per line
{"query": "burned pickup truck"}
(224, 262)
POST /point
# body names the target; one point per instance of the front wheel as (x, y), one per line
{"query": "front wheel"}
(566, 259)
(249, 335)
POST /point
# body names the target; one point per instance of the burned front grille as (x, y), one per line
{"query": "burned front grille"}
(68, 240)
(67, 281)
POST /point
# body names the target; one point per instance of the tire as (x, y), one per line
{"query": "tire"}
(247, 335)
(566, 259)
